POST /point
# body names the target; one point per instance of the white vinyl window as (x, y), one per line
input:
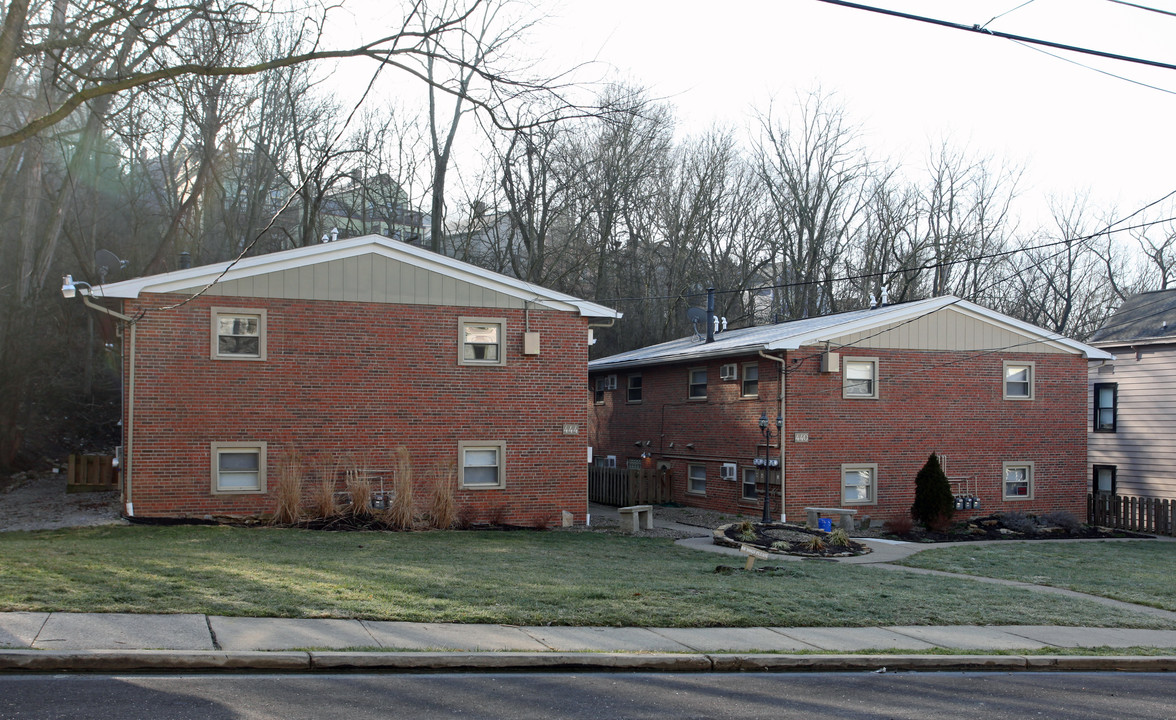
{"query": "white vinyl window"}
(697, 388)
(1018, 481)
(696, 480)
(750, 386)
(238, 468)
(482, 464)
(860, 378)
(859, 483)
(634, 390)
(1018, 380)
(238, 334)
(748, 486)
(481, 341)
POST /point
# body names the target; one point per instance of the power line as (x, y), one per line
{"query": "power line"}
(1144, 7)
(1007, 36)
(926, 266)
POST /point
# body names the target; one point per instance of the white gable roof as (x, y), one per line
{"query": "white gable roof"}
(181, 280)
(818, 330)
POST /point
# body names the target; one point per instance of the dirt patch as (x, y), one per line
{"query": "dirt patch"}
(1016, 526)
(787, 539)
(38, 501)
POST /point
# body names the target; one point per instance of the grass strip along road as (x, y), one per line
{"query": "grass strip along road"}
(523, 577)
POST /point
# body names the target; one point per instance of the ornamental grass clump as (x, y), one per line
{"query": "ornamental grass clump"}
(934, 502)
(839, 538)
(359, 487)
(288, 492)
(322, 493)
(443, 503)
(400, 511)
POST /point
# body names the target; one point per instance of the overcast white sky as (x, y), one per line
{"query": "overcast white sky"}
(908, 83)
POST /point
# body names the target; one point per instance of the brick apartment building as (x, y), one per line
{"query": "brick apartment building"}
(351, 349)
(863, 398)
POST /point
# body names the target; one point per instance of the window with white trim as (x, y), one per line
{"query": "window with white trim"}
(859, 483)
(1106, 407)
(860, 378)
(697, 388)
(750, 386)
(1018, 481)
(481, 341)
(696, 480)
(238, 334)
(1018, 380)
(238, 468)
(481, 464)
(747, 490)
(598, 391)
(633, 392)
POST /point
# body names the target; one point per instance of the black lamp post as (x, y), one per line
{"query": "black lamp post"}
(766, 429)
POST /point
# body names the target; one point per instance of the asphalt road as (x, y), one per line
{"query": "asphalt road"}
(990, 696)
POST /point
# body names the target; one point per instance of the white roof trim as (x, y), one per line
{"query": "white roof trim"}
(914, 310)
(352, 247)
(796, 334)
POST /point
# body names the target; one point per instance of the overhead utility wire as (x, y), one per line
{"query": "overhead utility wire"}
(999, 34)
(1144, 7)
(929, 266)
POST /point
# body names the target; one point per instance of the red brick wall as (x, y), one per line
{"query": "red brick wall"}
(948, 403)
(362, 379)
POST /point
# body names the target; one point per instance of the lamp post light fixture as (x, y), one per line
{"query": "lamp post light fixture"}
(766, 429)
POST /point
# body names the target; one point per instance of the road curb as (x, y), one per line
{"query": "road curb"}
(18, 661)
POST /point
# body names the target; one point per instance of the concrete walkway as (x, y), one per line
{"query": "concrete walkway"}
(31, 641)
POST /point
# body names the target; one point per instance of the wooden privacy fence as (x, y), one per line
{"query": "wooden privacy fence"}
(91, 473)
(619, 487)
(1142, 514)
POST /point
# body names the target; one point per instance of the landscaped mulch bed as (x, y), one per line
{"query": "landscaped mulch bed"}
(785, 539)
(1013, 526)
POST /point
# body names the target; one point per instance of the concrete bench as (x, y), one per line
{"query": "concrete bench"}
(845, 516)
(632, 516)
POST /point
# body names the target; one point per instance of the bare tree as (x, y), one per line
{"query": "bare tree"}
(815, 175)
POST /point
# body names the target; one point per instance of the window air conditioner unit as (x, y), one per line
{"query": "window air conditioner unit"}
(610, 383)
(730, 371)
(727, 472)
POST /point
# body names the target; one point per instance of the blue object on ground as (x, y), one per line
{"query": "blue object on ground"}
(825, 524)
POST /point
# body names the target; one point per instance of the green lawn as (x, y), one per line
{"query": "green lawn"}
(1142, 572)
(523, 577)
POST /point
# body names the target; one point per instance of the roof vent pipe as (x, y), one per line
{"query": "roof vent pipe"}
(185, 260)
(710, 315)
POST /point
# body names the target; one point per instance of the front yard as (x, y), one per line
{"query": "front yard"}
(520, 577)
(1134, 572)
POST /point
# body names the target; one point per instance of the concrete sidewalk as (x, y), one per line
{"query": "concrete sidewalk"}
(122, 642)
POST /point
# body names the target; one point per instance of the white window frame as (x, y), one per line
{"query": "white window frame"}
(693, 482)
(598, 391)
(690, 383)
(465, 322)
(872, 490)
(629, 388)
(754, 368)
(755, 475)
(1030, 367)
(846, 383)
(1027, 466)
(219, 313)
(498, 446)
(246, 446)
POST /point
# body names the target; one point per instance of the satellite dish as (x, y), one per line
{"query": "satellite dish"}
(107, 261)
(696, 315)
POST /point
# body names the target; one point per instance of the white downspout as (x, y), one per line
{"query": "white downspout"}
(129, 505)
(783, 428)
